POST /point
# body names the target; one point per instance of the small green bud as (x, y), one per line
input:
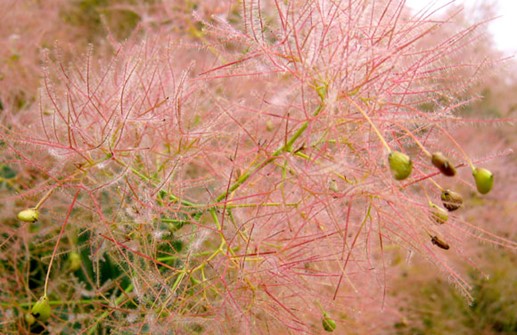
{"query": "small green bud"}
(484, 180)
(451, 200)
(438, 214)
(29, 318)
(74, 261)
(41, 309)
(333, 186)
(322, 91)
(443, 164)
(270, 125)
(328, 324)
(400, 165)
(28, 215)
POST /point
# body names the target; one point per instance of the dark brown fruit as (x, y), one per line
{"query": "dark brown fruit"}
(440, 243)
(443, 164)
(451, 200)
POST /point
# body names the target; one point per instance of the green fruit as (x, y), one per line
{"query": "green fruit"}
(443, 164)
(438, 214)
(333, 186)
(328, 324)
(270, 125)
(29, 318)
(400, 165)
(28, 215)
(451, 200)
(484, 180)
(41, 309)
(74, 261)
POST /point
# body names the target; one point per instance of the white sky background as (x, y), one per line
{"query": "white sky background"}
(503, 29)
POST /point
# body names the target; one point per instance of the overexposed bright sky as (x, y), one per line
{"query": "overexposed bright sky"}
(503, 29)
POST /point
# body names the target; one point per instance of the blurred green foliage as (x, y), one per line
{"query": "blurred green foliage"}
(435, 307)
(89, 14)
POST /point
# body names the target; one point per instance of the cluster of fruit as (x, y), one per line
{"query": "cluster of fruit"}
(401, 167)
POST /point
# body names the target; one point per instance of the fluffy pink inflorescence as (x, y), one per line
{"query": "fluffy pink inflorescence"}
(253, 138)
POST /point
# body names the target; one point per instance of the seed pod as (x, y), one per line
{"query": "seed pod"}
(29, 318)
(41, 309)
(400, 165)
(443, 164)
(484, 180)
(269, 125)
(451, 200)
(438, 214)
(74, 261)
(28, 215)
(333, 186)
(440, 243)
(328, 324)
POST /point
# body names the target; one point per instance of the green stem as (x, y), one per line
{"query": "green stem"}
(45, 197)
(379, 135)
(147, 179)
(167, 220)
(258, 166)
